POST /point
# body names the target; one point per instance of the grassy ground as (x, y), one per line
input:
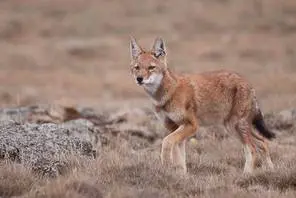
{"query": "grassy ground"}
(214, 170)
(79, 51)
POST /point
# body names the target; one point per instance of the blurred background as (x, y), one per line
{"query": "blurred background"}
(78, 50)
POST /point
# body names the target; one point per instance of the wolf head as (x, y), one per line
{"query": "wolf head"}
(148, 67)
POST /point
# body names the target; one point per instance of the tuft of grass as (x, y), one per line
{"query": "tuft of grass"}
(15, 179)
(281, 180)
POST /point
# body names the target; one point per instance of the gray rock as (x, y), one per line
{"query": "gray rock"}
(281, 121)
(41, 146)
(19, 114)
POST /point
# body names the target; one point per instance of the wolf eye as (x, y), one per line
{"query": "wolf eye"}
(151, 67)
(136, 67)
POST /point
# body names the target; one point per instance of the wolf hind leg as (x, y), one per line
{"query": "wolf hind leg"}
(243, 130)
(262, 144)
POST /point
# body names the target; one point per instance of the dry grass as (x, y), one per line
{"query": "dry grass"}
(214, 170)
(79, 50)
(15, 179)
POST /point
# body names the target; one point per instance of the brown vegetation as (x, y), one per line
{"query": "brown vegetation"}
(78, 50)
(128, 165)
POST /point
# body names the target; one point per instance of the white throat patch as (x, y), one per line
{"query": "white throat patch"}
(152, 83)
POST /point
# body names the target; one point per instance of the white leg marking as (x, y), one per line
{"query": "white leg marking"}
(269, 162)
(249, 159)
(179, 157)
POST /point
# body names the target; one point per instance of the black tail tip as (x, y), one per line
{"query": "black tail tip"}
(270, 135)
(259, 123)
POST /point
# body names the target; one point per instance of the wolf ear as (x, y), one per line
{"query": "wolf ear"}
(158, 48)
(135, 49)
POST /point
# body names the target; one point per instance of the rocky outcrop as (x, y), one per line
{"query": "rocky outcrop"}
(283, 120)
(43, 146)
(42, 136)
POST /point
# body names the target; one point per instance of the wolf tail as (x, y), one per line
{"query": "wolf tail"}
(260, 125)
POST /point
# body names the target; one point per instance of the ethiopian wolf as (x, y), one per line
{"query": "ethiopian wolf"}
(186, 102)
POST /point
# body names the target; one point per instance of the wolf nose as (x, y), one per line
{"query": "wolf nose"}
(139, 79)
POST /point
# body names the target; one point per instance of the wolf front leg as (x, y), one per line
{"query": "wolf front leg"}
(173, 145)
(179, 155)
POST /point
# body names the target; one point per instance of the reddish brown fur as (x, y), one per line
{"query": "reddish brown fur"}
(186, 102)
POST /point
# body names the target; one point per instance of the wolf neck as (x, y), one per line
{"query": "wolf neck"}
(165, 89)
